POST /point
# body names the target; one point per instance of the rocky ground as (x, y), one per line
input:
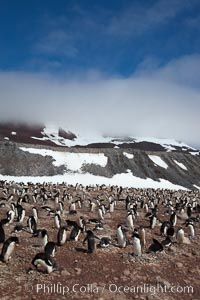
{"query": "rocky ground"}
(111, 273)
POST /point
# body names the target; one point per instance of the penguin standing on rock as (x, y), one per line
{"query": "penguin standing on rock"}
(31, 223)
(8, 248)
(180, 235)
(2, 233)
(57, 220)
(153, 221)
(74, 235)
(190, 226)
(121, 238)
(137, 248)
(90, 238)
(50, 249)
(142, 235)
(35, 213)
(62, 236)
(173, 219)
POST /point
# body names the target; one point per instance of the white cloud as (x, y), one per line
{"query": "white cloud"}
(142, 105)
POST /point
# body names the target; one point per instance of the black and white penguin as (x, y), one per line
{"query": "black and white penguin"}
(111, 207)
(2, 234)
(8, 248)
(72, 206)
(62, 236)
(21, 213)
(100, 213)
(90, 238)
(189, 210)
(74, 235)
(153, 221)
(190, 226)
(92, 205)
(11, 216)
(173, 219)
(170, 231)
(57, 221)
(155, 246)
(167, 242)
(31, 223)
(44, 262)
(163, 229)
(142, 235)
(82, 223)
(105, 242)
(35, 213)
(50, 249)
(99, 226)
(61, 206)
(42, 237)
(121, 238)
(130, 218)
(180, 235)
(137, 248)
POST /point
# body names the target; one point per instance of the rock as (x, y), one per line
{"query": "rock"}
(178, 265)
(126, 272)
(78, 271)
(194, 252)
(65, 273)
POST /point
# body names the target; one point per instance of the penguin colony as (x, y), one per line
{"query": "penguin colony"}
(78, 213)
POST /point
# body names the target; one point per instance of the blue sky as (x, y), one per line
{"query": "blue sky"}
(101, 62)
(114, 37)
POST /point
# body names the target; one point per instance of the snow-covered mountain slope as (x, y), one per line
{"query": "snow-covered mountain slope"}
(37, 153)
(52, 135)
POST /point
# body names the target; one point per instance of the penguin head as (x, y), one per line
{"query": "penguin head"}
(89, 233)
(14, 239)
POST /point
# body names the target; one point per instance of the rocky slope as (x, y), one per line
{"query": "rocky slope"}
(176, 163)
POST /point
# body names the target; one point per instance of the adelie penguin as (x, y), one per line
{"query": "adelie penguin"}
(180, 235)
(190, 226)
(137, 248)
(142, 235)
(153, 221)
(43, 262)
(62, 236)
(130, 220)
(57, 220)
(8, 248)
(163, 229)
(42, 237)
(90, 238)
(121, 238)
(155, 246)
(2, 233)
(11, 216)
(173, 219)
(74, 235)
(105, 242)
(35, 213)
(50, 249)
(31, 223)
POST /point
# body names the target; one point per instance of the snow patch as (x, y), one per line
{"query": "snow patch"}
(158, 161)
(123, 179)
(196, 186)
(195, 153)
(13, 133)
(73, 161)
(180, 165)
(128, 155)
